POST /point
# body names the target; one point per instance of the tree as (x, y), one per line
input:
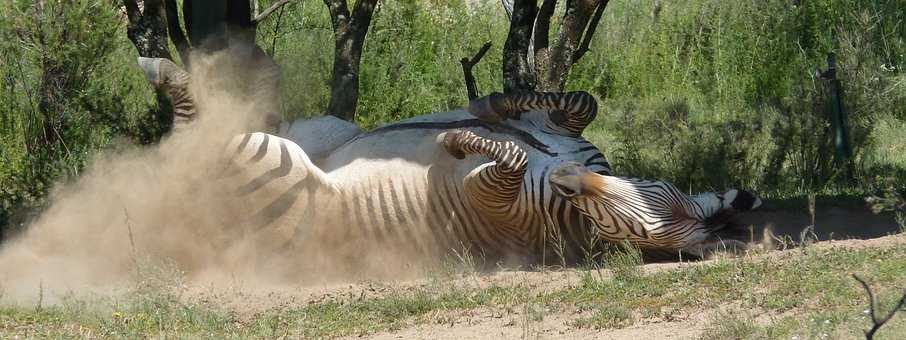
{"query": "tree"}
(349, 37)
(530, 62)
(43, 31)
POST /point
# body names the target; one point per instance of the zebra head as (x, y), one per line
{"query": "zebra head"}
(572, 180)
(655, 213)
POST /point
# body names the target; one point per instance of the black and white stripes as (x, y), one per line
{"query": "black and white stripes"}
(168, 77)
(568, 113)
(447, 182)
(649, 214)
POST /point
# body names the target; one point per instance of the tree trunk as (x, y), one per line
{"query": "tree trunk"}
(148, 30)
(529, 62)
(53, 81)
(575, 20)
(205, 24)
(349, 38)
(176, 32)
(517, 72)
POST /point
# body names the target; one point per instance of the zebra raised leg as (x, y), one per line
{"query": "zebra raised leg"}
(492, 187)
(568, 112)
(167, 76)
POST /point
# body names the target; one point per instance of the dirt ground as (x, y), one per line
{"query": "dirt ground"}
(485, 323)
(833, 221)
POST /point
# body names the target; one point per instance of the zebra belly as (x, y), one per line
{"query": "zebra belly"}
(416, 209)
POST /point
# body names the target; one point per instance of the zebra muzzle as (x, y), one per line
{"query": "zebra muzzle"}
(570, 179)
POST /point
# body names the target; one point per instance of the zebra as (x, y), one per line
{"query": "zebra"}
(650, 214)
(502, 178)
(167, 76)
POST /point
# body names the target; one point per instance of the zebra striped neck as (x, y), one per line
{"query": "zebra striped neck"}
(649, 213)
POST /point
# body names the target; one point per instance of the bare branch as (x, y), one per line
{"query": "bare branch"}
(267, 12)
(467, 70)
(590, 31)
(871, 297)
(276, 31)
(872, 308)
(518, 74)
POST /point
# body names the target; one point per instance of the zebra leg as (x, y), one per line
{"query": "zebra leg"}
(492, 187)
(571, 112)
(173, 80)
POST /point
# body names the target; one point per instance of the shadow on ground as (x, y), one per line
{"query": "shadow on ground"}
(835, 219)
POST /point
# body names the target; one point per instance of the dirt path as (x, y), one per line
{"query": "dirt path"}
(554, 326)
(485, 322)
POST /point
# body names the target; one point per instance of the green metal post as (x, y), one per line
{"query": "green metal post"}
(839, 119)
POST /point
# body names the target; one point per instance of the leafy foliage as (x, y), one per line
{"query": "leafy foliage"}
(704, 93)
(68, 89)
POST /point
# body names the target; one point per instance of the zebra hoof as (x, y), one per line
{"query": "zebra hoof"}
(487, 108)
(151, 67)
(450, 144)
(159, 71)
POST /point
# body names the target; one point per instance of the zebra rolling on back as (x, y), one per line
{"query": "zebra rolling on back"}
(445, 181)
(498, 179)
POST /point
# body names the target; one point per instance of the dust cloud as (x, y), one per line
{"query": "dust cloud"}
(164, 204)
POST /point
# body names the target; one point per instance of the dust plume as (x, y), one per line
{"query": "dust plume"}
(162, 204)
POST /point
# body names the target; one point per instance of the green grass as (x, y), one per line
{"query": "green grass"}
(807, 293)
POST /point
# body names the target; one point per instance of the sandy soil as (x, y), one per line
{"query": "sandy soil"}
(486, 323)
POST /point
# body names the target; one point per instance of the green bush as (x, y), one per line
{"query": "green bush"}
(704, 93)
(712, 93)
(69, 87)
